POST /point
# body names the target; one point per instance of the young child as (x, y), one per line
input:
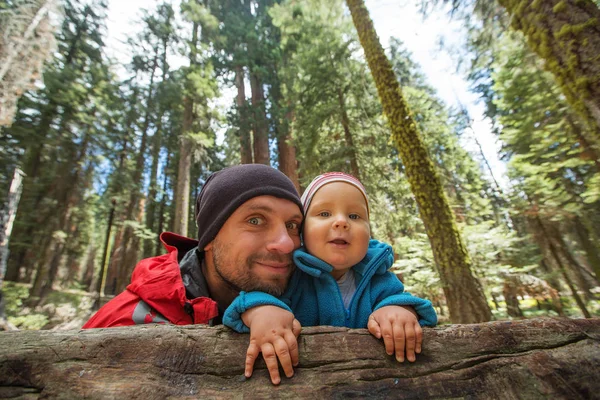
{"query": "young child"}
(342, 279)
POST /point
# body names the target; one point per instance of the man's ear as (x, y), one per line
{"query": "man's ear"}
(209, 246)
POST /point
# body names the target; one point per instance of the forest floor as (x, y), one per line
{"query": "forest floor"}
(71, 308)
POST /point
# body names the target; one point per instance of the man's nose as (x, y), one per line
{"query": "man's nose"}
(280, 241)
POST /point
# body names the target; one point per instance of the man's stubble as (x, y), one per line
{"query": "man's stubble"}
(243, 278)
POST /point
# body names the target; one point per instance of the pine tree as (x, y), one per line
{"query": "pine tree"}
(565, 34)
(464, 295)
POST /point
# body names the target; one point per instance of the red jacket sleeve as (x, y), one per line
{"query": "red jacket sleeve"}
(117, 312)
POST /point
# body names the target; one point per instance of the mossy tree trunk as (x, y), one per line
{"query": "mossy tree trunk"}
(466, 301)
(566, 34)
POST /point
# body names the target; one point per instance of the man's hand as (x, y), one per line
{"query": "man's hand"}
(400, 330)
(273, 331)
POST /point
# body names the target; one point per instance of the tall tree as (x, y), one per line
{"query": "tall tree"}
(26, 42)
(54, 128)
(565, 34)
(200, 89)
(466, 301)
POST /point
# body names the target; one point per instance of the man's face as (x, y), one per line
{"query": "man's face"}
(253, 249)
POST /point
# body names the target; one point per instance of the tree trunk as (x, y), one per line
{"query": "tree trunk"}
(67, 193)
(555, 255)
(528, 359)
(509, 291)
(288, 164)
(109, 282)
(260, 124)
(591, 149)
(8, 218)
(163, 205)
(577, 270)
(87, 279)
(565, 34)
(242, 108)
(464, 294)
(156, 146)
(181, 197)
(100, 282)
(348, 135)
(132, 256)
(122, 268)
(591, 250)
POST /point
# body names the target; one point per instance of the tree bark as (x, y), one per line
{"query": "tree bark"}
(260, 125)
(163, 205)
(149, 244)
(8, 218)
(182, 192)
(348, 134)
(565, 34)
(464, 295)
(122, 269)
(288, 164)
(528, 359)
(243, 128)
(555, 255)
(591, 250)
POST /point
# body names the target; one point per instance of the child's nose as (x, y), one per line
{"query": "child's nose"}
(341, 223)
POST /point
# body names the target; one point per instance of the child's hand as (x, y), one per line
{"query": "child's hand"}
(400, 330)
(273, 331)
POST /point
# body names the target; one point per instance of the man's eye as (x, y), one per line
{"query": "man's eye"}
(255, 221)
(354, 216)
(292, 225)
(324, 214)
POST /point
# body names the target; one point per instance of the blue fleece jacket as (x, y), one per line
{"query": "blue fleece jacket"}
(314, 297)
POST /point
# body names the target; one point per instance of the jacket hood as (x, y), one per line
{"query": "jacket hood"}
(158, 282)
(379, 256)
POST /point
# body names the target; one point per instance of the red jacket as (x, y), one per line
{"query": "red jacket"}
(156, 293)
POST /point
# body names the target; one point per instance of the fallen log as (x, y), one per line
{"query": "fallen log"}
(530, 359)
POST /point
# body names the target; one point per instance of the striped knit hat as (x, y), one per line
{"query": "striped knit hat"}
(326, 178)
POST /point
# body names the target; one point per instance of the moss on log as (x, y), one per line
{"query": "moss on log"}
(537, 358)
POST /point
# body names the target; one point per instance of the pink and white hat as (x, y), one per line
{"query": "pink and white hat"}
(330, 177)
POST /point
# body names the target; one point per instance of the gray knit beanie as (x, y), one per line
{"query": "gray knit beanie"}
(226, 190)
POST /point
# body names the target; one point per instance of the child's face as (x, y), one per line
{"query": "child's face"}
(336, 226)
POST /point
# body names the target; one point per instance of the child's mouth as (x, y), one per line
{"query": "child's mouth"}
(339, 242)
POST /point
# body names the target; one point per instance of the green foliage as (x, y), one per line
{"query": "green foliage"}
(15, 295)
(91, 140)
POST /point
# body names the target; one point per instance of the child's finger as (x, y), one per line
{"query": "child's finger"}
(373, 327)
(292, 343)
(419, 338)
(296, 327)
(399, 341)
(283, 353)
(251, 356)
(387, 333)
(409, 334)
(268, 352)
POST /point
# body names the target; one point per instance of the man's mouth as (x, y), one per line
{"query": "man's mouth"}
(275, 267)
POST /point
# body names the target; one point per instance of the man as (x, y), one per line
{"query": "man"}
(248, 219)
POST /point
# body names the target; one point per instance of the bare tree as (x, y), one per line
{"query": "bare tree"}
(26, 42)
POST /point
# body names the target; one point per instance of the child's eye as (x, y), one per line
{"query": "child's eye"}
(324, 214)
(256, 221)
(354, 216)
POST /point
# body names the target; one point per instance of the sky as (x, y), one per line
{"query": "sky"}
(398, 18)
